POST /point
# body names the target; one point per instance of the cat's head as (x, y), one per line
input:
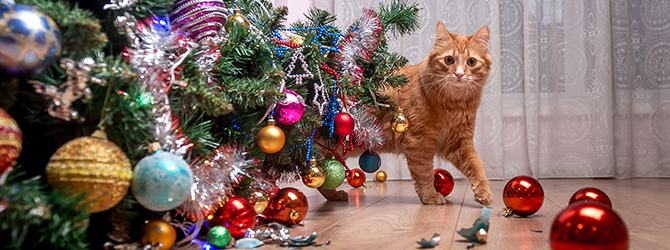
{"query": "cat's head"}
(457, 66)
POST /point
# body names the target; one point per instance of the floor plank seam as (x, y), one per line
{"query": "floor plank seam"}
(458, 217)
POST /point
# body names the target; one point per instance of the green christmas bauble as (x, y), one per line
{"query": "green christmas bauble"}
(218, 237)
(335, 173)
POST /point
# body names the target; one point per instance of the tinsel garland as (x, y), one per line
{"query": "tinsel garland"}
(357, 45)
(369, 133)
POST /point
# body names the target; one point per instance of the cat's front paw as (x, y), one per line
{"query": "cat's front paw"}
(433, 198)
(482, 194)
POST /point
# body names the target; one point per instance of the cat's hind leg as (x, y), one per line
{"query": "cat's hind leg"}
(420, 164)
(334, 195)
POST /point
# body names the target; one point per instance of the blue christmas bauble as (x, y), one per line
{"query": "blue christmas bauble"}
(161, 181)
(369, 161)
(29, 40)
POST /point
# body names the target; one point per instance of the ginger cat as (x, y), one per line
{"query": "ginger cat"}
(441, 102)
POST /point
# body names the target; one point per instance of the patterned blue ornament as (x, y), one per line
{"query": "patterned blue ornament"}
(29, 40)
(369, 161)
(161, 181)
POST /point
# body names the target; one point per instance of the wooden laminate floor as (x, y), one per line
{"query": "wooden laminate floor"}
(390, 216)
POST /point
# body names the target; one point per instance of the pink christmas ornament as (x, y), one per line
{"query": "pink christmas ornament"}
(199, 18)
(290, 111)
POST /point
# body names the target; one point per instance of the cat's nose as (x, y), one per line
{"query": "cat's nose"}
(459, 75)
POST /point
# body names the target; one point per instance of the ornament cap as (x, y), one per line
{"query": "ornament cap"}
(271, 121)
(153, 147)
(100, 133)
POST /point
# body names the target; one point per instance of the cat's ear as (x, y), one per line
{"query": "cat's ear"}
(441, 33)
(482, 36)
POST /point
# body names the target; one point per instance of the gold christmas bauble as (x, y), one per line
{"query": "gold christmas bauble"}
(381, 176)
(260, 200)
(158, 231)
(400, 123)
(314, 176)
(297, 40)
(271, 138)
(94, 166)
(237, 17)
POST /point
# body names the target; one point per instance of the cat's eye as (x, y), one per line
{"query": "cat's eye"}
(449, 60)
(472, 62)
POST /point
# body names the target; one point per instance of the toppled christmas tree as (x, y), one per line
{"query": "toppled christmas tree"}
(200, 80)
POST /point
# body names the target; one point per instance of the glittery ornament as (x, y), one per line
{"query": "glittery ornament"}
(399, 122)
(238, 18)
(29, 40)
(356, 178)
(288, 206)
(161, 181)
(313, 176)
(199, 19)
(369, 161)
(11, 141)
(523, 195)
(444, 182)
(94, 166)
(271, 138)
(219, 237)
(237, 215)
(380, 176)
(290, 111)
(590, 226)
(344, 124)
(590, 195)
(158, 231)
(335, 173)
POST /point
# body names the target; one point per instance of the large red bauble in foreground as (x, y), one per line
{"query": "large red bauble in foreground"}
(444, 182)
(524, 195)
(356, 177)
(288, 206)
(344, 124)
(236, 215)
(590, 195)
(590, 226)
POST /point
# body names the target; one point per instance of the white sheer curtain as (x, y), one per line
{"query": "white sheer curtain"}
(577, 89)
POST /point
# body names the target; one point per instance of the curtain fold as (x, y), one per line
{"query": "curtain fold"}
(577, 88)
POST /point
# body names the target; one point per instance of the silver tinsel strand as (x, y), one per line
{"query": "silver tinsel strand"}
(369, 133)
(214, 179)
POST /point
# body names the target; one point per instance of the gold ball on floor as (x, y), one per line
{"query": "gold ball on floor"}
(313, 176)
(158, 231)
(91, 165)
(381, 176)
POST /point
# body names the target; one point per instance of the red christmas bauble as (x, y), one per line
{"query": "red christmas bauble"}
(344, 124)
(524, 195)
(356, 178)
(237, 214)
(590, 195)
(590, 226)
(11, 141)
(444, 182)
(288, 206)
